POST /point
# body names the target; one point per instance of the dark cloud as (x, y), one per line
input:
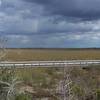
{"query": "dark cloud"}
(50, 23)
(83, 9)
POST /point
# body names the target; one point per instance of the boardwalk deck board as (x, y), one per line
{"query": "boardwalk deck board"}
(23, 64)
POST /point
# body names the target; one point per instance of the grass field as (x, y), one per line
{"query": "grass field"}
(51, 54)
(43, 81)
(40, 82)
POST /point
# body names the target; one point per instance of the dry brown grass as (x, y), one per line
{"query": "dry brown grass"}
(51, 54)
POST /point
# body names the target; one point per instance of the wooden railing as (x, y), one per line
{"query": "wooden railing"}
(19, 64)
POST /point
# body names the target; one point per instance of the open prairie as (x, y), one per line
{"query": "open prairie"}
(47, 83)
(51, 54)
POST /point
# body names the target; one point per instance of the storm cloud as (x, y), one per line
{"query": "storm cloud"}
(83, 9)
(50, 23)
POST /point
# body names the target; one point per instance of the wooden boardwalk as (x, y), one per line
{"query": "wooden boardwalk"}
(23, 64)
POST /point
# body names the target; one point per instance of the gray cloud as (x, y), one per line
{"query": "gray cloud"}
(83, 9)
(21, 17)
(50, 23)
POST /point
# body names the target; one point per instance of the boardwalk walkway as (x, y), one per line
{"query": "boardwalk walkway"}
(23, 64)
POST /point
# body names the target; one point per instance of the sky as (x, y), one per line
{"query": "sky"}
(50, 23)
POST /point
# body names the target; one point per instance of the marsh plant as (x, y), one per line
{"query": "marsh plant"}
(9, 89)
(8, 85)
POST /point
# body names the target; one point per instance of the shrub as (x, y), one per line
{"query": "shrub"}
(23, 97)
(98, 94)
